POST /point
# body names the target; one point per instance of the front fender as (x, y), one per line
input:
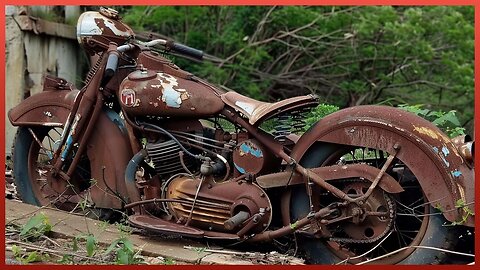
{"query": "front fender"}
(48, 108)
(442, 173)
(108, 148)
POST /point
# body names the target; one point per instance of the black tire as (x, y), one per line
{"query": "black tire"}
(432, 231)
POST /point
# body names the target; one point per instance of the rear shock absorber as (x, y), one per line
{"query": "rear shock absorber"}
(298, 120)
(291, 122)
(282, 130)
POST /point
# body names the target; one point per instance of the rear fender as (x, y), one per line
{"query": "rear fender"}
(108, 148)
(442, 173)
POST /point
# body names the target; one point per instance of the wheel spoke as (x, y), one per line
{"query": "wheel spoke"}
(40, 154)
(411, 208)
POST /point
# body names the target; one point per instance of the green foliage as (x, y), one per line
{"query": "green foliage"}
(124, 251)
(347, 55)
(169, 261)
(467, 212)
(311, 118)
(91, 245)
(35, 227)
(66, 259)
(75, 244)
(27, 257)
(123, 248)
(447, 121)
(318, 113)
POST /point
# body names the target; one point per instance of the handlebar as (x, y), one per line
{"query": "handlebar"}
(112, 61)
(176, 47)
(186, 50)
(112, 64)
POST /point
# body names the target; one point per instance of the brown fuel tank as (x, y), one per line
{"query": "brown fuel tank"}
(157, 93)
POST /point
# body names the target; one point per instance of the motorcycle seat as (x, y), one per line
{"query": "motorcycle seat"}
(257, 111)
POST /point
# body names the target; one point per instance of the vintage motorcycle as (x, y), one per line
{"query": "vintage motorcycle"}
(178, 155)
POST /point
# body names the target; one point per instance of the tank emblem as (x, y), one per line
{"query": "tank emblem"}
(171, 94)
(128, 97)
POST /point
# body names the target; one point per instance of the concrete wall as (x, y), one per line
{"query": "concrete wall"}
(30, 55)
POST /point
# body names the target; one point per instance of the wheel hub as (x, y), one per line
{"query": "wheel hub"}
(371, 220)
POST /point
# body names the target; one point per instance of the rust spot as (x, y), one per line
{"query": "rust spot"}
(431, 133)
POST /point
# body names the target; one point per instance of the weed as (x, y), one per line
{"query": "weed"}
(124, 251)
(66, 259)
(35, 227)
(169, 261)
(25, 257)
(460, 204)
(103, 225)
(91, 245)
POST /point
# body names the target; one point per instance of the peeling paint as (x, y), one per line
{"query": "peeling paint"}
(240, 169)
(52, 124)
(116, 119)
(456, 173)
(110, 25)
(445, 151)
(69, 141)
(445, 161)
(171, 95)
(462, 192)
(247, 107)
(246, 148)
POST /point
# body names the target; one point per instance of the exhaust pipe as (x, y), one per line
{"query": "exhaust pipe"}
(466, 147)
(130, 172)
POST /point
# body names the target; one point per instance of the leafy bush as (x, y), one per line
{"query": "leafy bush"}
(318, 113)
(447, 121)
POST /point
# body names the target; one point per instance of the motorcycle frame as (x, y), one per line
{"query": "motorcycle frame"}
(80, 131)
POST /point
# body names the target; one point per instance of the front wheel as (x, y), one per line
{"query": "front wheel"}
(33, 152)
(382, 239)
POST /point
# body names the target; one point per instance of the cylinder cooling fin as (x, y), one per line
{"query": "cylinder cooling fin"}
(166, 159)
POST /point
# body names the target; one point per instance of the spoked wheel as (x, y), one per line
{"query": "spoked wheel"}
(380, 230)
(33, 152)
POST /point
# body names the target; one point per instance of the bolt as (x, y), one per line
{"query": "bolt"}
(396, 146)
(267, 209)
(262, 195)
(265, 225)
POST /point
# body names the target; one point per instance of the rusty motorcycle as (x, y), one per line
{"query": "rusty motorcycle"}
(179, 155)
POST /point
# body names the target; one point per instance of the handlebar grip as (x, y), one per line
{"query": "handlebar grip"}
(189, 51)
(112, 64)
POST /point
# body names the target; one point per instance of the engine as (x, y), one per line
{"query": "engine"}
(166, 159)
(219, 201)
(219, 206)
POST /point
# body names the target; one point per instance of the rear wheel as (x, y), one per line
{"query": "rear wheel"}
(411, 220)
